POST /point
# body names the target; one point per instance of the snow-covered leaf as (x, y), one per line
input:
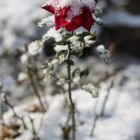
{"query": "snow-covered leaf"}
(91, 89)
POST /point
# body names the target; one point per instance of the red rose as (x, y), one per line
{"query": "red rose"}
(70, 23)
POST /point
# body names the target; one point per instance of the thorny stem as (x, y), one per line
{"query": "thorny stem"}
(70, 93)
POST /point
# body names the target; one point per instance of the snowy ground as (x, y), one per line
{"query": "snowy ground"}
(121, 119)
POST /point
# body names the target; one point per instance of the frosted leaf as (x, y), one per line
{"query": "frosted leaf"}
(74, 41)
(90, 42)
(73, 38)
(89, 39)
(53, 33)
(98, 20)
(34, 48)
(59, 48)
(49, 21)
(103, 53)
(47, 75)
(54, 61)
(91, 89)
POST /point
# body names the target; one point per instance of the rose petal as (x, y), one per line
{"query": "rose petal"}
(73, 24)
(49, 8)
(62, 21)
(88, 20)
(85, 19)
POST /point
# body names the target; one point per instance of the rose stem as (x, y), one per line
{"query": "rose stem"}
(70, 93)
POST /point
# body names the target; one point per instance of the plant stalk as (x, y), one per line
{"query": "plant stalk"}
(35, 89)
(70, 93)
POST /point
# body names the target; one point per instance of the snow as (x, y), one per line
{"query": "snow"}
(75, 6)
(53, 33)
(121, 120)
(73, 3)
(34, 48)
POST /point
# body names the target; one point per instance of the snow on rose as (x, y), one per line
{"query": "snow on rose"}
(71, 14)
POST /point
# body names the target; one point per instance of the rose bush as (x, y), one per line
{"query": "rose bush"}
(72, 14)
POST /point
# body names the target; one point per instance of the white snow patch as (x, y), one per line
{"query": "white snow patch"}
(75, 6)
(121, 120)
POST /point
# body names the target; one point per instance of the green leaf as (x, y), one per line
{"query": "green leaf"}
(47, 75)
(84, 73)
(70, 62)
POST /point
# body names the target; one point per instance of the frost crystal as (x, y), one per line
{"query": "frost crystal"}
(49, 21)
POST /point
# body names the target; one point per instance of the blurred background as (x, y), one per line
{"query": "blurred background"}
(120, 33)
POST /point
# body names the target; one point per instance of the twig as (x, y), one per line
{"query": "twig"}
(96, 116)
(106, 98)
(14, 112)
(62, 90)
(35, 88)
(1, 113)
(70, 94)
(39, 84)
(33, 84)
(33, 127)
(94, 120)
